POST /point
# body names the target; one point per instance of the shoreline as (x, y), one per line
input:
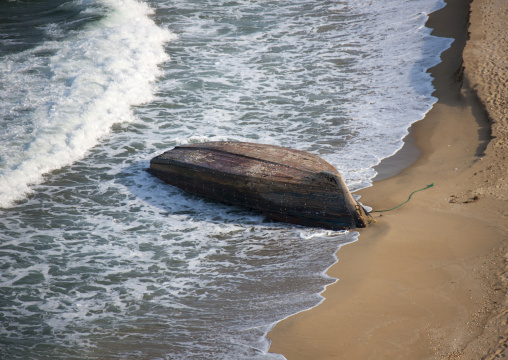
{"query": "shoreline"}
(428, 281)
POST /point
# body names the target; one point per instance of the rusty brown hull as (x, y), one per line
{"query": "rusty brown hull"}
(285, 184)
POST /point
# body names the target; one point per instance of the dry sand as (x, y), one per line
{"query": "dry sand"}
(429, 280)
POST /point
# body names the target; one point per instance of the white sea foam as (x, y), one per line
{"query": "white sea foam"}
(350, 101)
(398, 50)
(73, 98)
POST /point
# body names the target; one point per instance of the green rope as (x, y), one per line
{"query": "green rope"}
(409, 198)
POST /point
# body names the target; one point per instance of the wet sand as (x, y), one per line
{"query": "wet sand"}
(429, 280)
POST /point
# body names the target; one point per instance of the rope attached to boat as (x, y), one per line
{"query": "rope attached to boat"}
(398, 206)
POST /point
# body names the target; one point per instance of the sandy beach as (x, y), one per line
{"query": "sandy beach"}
(429, 280)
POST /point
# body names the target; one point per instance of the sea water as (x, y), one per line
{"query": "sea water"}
(100, 260)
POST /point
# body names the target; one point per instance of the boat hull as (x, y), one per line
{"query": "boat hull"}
(285, 184)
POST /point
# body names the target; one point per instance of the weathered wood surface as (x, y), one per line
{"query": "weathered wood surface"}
(285, 184)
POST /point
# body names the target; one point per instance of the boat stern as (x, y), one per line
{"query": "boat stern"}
(362, 217)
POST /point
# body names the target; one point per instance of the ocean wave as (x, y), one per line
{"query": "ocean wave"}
(64, 95)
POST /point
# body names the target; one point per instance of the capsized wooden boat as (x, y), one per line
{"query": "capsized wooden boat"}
(285, 184)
